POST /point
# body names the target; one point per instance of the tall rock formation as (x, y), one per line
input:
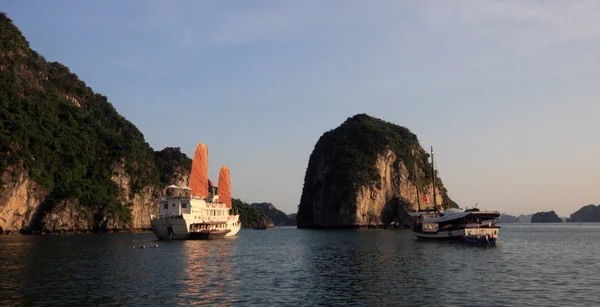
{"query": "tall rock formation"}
(68, 160)
(367, 172)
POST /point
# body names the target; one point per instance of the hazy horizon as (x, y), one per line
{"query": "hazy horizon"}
(503, 91)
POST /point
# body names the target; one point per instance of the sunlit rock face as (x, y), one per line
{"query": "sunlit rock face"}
(367, 172)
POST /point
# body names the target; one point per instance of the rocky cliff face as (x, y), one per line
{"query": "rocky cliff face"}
(22, 206)
(370, 189)
(68, 160)
(19, 200)
(390, 199)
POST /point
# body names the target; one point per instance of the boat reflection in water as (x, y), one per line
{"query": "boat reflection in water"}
(207, 274)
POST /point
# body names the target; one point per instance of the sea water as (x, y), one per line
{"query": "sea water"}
(533, 265)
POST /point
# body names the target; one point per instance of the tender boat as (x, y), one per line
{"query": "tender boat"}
(195, 212)
(480, 240)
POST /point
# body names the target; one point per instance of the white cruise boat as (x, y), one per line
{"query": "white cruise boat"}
(457, 224)
(472, 225)
(193, 212)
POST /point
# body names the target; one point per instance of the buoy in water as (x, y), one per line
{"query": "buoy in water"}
(133, 246)
(156, 245)
(143, 246)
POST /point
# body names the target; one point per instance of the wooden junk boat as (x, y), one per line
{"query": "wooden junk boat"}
(196, 212)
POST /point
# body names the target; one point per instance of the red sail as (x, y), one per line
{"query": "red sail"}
(225, 186)
(199, 175)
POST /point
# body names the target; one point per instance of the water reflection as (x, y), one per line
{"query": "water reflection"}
(531, 266)
(207, 272)
(13, 262)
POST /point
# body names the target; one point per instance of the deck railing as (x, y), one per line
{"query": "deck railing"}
(165, 216)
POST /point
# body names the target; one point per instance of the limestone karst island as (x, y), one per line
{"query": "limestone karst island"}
(367, 172)
(68, 161)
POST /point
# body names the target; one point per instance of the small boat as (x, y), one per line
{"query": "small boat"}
(197, 212)
(480, 240)
(456, 223)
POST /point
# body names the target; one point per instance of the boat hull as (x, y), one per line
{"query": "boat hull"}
(209, 235)
(459, 234)
(480, 240)
(170, 229)
(441, 235)
(176, 228)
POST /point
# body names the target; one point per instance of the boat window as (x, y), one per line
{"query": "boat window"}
(166, 206)
(183, 205)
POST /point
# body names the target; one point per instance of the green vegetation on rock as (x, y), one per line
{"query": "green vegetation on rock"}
(69, 139)
(351, 151)
(249, 216)
(275, 215)
(172, 161)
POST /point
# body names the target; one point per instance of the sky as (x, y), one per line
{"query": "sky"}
(506, 92)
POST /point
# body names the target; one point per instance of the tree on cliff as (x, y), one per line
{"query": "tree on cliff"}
(249, 216)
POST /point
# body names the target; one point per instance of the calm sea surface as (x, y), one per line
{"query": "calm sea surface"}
(534, 265)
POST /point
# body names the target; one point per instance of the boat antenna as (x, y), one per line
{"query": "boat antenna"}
(416, 181)
(433, 180)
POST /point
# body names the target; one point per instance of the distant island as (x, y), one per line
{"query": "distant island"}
(277, 217)
(589, 213)
(507, 218)
(522, 218)
(546, 217)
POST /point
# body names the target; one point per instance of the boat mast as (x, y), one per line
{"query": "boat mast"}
(433, 180)
(416, 182)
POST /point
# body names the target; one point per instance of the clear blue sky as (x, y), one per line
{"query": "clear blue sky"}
(505, 91)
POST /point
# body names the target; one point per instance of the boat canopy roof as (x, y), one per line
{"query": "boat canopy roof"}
(455, 214)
